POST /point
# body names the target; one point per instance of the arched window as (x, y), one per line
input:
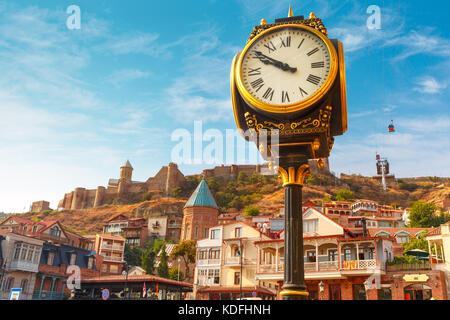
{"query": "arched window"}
(10, 283)
(24, 285)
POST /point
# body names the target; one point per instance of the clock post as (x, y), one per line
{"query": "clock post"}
(289, 97)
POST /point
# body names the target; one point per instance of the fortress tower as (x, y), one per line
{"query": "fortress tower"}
(200, 213)
(126, 171)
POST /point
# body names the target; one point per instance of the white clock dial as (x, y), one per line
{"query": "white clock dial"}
(285, 66)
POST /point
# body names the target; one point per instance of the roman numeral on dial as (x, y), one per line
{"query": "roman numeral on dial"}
(318, 64)
(312, 52)
(300, 44)
(303, 92)
(254, 72)
(268, 94)
(313, 79)
(285, 97)
(270, 46)
(257, 84)
(287, 43)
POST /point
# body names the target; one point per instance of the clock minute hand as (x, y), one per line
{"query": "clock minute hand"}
(267, 60)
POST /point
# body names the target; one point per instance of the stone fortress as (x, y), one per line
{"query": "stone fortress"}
(168, 178)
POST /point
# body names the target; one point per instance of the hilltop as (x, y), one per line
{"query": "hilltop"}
(265, 192)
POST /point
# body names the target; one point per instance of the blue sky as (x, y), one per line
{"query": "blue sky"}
(75, 104)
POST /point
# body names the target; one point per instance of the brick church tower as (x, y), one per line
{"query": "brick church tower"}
(200, 213)
(126, 171)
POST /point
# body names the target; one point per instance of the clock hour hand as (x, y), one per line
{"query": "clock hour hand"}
(267, 60)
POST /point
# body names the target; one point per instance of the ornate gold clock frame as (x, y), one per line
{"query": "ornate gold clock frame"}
(305, 131)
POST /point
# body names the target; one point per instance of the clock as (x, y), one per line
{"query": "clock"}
(286, 69)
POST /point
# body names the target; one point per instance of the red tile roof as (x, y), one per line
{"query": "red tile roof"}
(134, 278)
(393, 231)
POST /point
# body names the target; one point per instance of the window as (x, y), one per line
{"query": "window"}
(205, 233)
(237, 278)
(103, 267)
(311, 256)
(347, 254)
(214, 254)
(384, 294)
(55, 232)
(202, 254)
(402, 239)
(215, 234)
(73, 258)
(196, 232)
(113, 268)
(359, 292)
(213, 276)
(371, 253)
(10, 284)
(310, 225)
(332, 255)
(50, 258)
(90, 262)
(17, 251)
(237, 232)
(335, 292)
(24, 285)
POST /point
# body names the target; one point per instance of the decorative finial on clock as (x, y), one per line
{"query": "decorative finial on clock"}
(312, 15)
(263, 22)
(290, 14)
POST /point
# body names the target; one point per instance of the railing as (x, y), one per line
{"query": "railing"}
(355, 265)
(111, 247)
(203, 262)
(328, 266)
(113, 259)
(174, 225)
(237, 261)
(409, 266)
(47, 295)
(270, 268)
(24, 266)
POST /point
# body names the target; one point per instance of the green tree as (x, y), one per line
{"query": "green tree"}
(132, 255)
(416, 243)
(236, 203)
(148, 261)
(242, 178)
(185, 250)
(251, 211)
(344, 195)
(173, 274)
(177, 192)
(213, 184)
(421, 215)
(163, 267)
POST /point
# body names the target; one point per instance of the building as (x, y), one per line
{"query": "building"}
(51, 279)
(20, 263)
(165, 225)
(157, 288)
(115, 224)
(398, 236)
(134, 230)
(226, 263)
(39, 206)
(168, 178)
(200, 213)
(112, 248)
(333, 257)
(439, 246)
(50, 231)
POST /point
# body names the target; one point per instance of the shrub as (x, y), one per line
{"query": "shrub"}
(251, 211)
(147, 196)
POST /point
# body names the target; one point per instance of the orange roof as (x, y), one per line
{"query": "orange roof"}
(134, 278)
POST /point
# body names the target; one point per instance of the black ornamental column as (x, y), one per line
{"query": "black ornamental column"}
(294, 287)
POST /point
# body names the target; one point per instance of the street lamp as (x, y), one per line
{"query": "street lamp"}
(179, 269)
(125, 272)
(321, 289)
(239, 252)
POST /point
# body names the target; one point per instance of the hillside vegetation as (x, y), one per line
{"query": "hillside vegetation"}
(263, 192)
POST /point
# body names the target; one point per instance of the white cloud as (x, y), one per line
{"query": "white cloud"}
(429, 85)
(119, 77)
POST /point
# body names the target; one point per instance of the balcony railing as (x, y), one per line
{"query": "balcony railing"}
(233, 261)
(111, 247)
(24, 266)
(47, 295)
(174, 225)
(112, 259)
(204, 262)
(409, 266)
(321, 266)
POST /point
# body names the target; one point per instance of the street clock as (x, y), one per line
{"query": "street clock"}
(290, 77)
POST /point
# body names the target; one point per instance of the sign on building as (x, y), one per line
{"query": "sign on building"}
(15, 294)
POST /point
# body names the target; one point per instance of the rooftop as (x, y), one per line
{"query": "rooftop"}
(201, 197)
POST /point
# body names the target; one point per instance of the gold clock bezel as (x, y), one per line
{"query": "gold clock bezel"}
(294, 107)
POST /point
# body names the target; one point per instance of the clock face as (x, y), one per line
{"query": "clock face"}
(285, 67)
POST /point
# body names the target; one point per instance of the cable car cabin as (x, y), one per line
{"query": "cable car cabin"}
(378, 157)
(391, 127)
